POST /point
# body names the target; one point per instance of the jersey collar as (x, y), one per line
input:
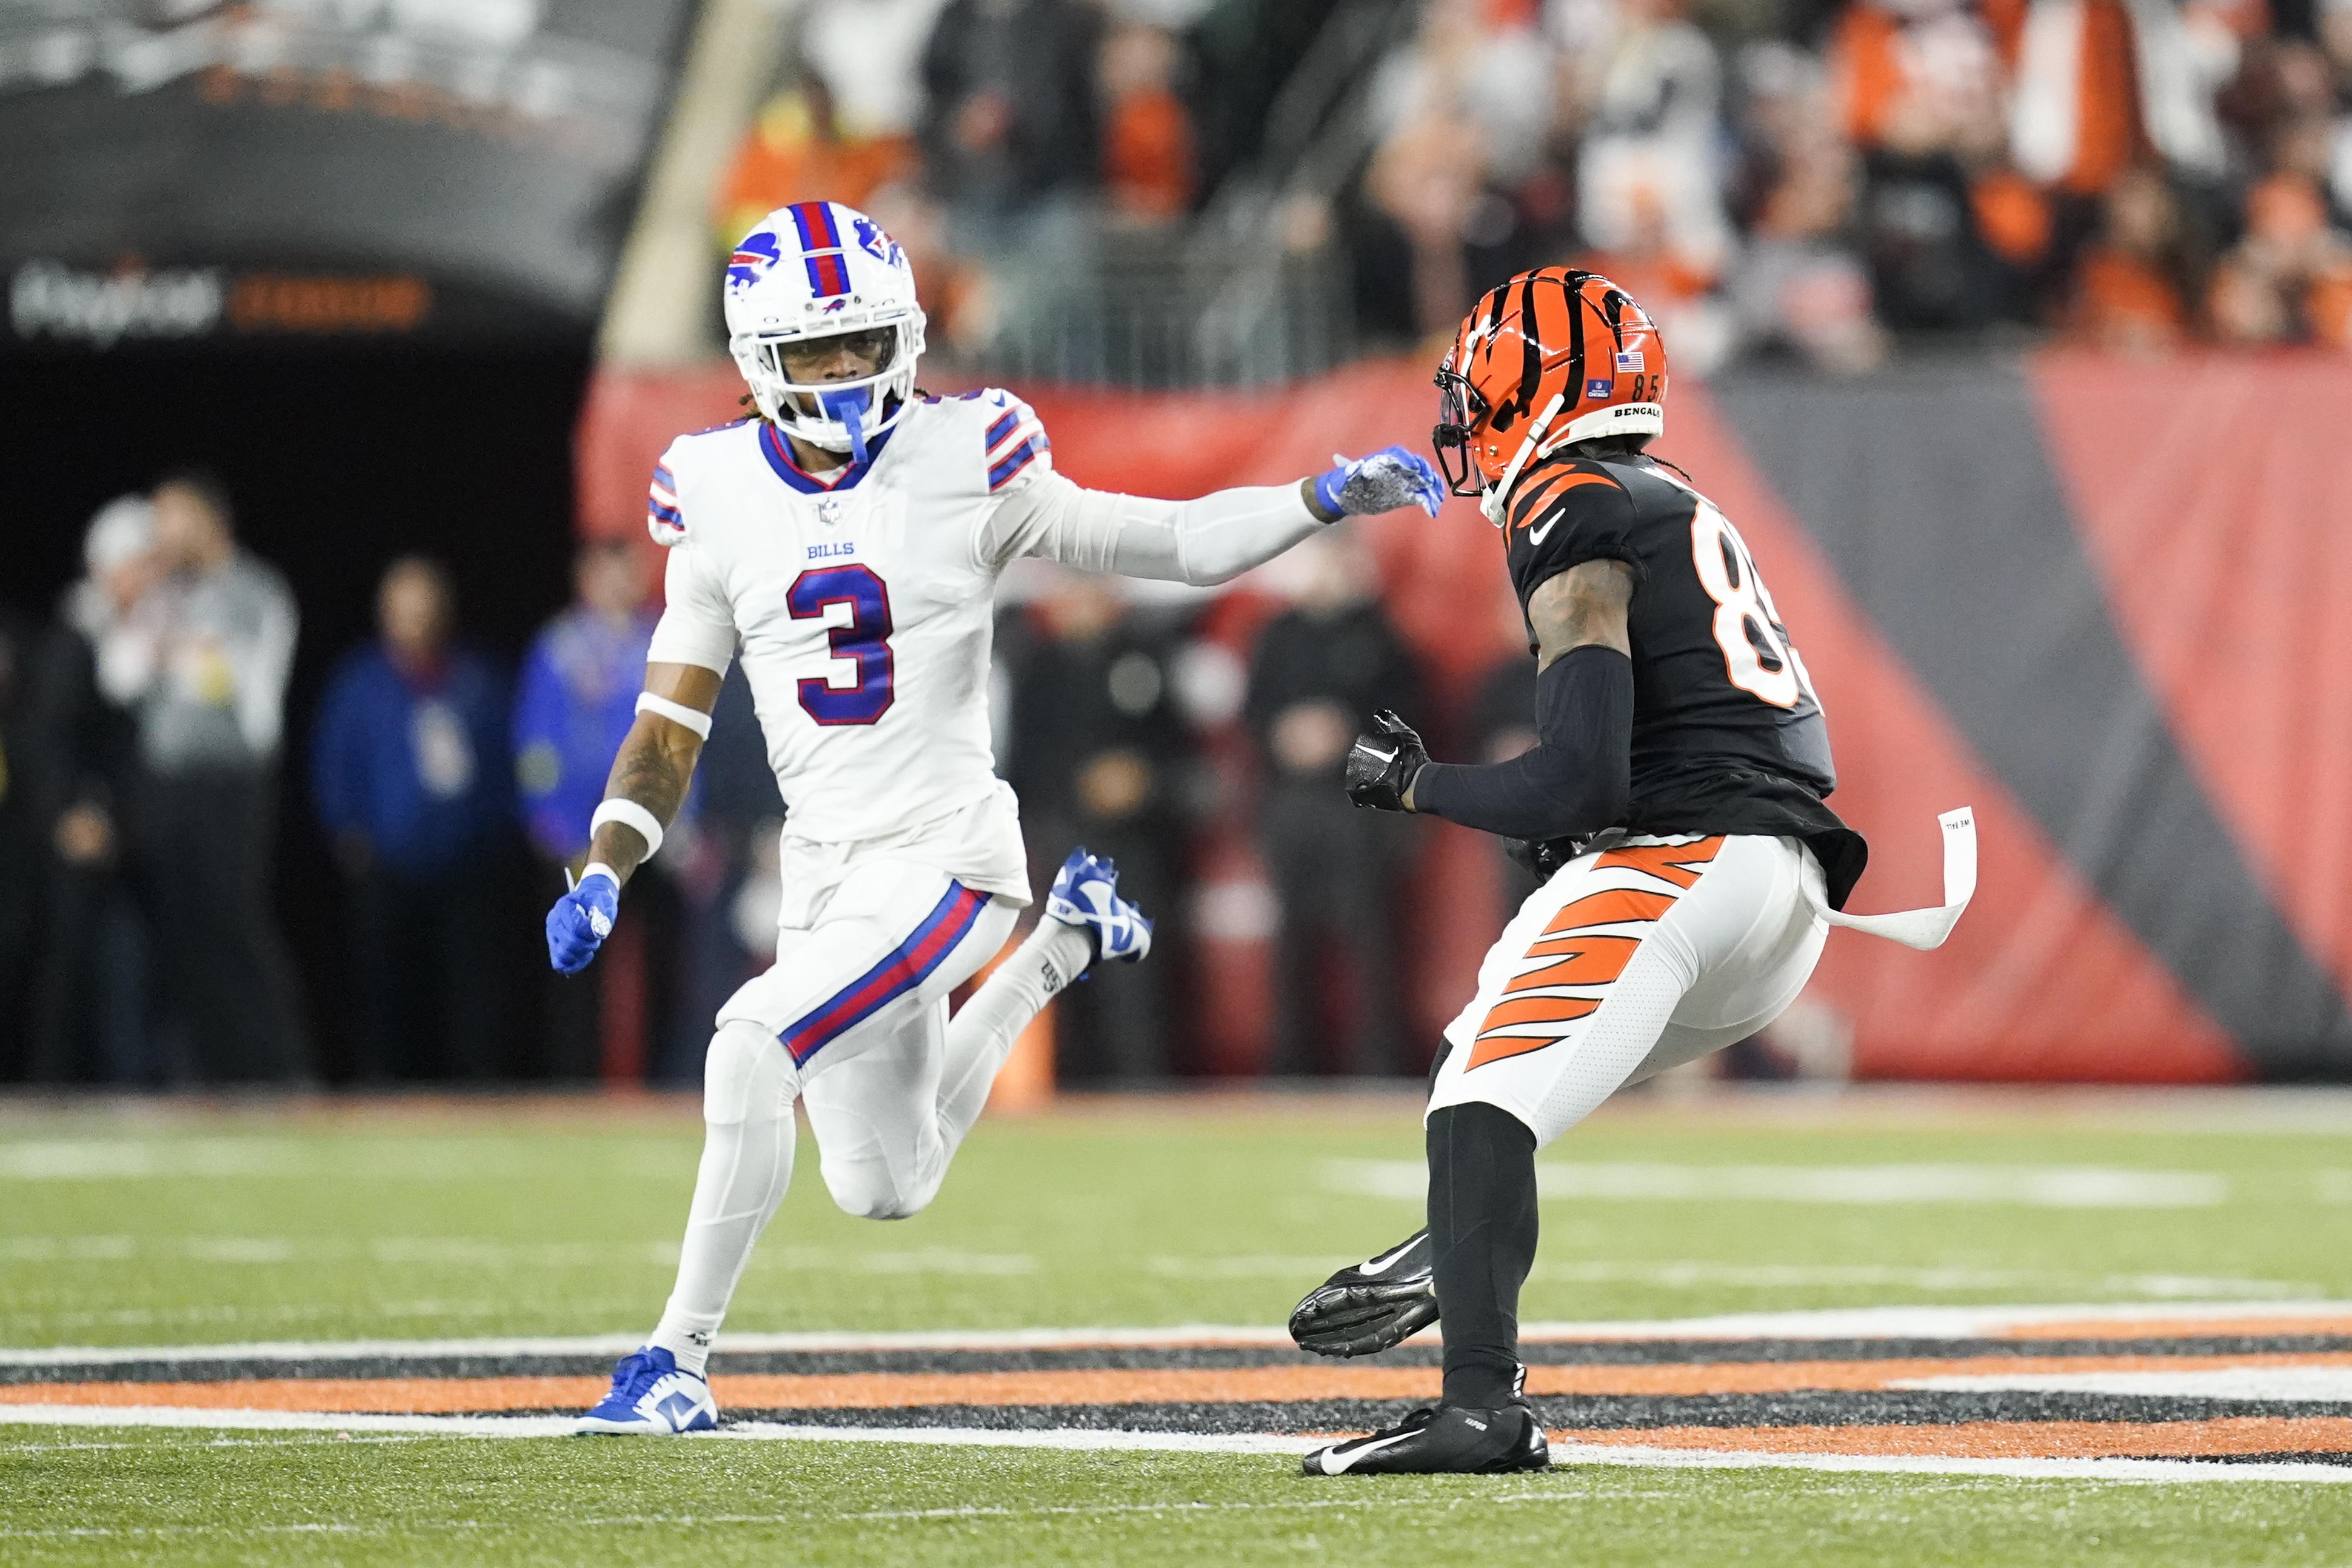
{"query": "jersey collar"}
(780, 458)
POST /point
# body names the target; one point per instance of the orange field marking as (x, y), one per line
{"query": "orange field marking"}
(2004, 1439)
(859, 1391)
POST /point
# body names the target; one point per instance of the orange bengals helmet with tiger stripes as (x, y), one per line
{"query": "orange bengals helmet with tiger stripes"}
(1552, 357)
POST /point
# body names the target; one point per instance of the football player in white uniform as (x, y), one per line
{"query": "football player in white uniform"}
(846, 543)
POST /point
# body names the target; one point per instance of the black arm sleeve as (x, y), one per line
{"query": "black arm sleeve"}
(1578, 778)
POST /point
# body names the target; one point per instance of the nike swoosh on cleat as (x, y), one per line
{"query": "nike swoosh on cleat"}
(1381, 1265)
(1337, 1464)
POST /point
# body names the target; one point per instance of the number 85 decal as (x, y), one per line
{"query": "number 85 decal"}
(1758, 657)
(861, 636)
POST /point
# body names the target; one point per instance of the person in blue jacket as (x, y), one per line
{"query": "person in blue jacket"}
(573, 705)
(410, 771)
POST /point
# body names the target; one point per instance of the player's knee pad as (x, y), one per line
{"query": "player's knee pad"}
(747, 1073)
(867, 1185)
(863, 1190)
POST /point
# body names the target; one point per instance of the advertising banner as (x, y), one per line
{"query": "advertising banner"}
(458, 170)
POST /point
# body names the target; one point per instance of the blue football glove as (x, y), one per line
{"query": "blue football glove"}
(581, 921)
(1388, 478)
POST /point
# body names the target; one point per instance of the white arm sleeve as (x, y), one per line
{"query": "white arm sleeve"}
(1202, 542)
(698, 624)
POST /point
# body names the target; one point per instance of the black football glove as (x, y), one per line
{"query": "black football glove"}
(1381, 765)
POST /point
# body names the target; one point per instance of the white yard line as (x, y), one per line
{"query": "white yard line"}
(1836, 1323)
(2252, 1384)
(1083, 1441)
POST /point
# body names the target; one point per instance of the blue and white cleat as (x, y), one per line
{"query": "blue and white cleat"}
(652, 1396)
(1085, 892)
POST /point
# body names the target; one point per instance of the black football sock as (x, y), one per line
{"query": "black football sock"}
(1482, 1232)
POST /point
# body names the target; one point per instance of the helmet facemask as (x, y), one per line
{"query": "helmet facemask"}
(841, 416)
(1461, 409)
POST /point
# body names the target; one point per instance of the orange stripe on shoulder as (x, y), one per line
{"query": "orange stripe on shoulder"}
(1548, 488)
(1667, 862)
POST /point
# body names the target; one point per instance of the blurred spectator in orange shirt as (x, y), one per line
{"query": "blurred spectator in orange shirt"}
(2100, 85)
(2133, 284)
(1148, 161)
(796, 152)
(2291, 278)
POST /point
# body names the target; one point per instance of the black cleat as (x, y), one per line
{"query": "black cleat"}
(1380, 1302)
(1447, 1441)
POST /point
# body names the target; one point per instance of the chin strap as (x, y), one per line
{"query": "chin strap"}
(1491, 503)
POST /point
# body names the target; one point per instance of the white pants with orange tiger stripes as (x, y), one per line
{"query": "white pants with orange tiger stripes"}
(1640, 954)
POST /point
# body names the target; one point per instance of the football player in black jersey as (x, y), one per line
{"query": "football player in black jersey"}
(1673, 802)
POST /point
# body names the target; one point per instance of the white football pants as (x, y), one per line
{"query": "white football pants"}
(1638, 955)
(853, 1021)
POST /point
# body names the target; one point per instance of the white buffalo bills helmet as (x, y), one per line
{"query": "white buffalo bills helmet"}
(816, 270)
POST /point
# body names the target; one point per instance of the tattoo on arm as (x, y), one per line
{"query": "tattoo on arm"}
(1583, 605)
(654, 765)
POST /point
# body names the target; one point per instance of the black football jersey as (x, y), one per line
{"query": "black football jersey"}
(1729, 736)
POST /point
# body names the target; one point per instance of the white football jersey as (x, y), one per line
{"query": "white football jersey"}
(862, 603)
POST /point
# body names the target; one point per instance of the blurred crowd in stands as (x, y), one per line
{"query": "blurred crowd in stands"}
(1791, 177)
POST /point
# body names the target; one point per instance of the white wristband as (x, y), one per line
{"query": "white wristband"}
(598, 868)
(694, 719)
(629, 814)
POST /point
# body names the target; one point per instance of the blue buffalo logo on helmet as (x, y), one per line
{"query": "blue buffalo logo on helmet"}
(755, 253)
(875, 244)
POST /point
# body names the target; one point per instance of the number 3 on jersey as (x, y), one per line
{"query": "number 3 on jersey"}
(861, 636)
(1757, 655)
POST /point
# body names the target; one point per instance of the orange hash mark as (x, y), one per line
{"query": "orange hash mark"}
(1667, 862)
(1593, 961)
(2005, 1440)
(1608, 907)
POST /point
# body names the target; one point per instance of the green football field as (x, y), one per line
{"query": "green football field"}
(147, 1226)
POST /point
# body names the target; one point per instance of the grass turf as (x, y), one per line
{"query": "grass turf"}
(276, 1223)
(279, 1222)
(199, 1501)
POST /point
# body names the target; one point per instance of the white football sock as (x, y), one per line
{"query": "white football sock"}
(980, 1035)
(748, 1084)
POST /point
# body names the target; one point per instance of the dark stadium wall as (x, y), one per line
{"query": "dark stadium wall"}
(2095, 600)
(338, 462)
